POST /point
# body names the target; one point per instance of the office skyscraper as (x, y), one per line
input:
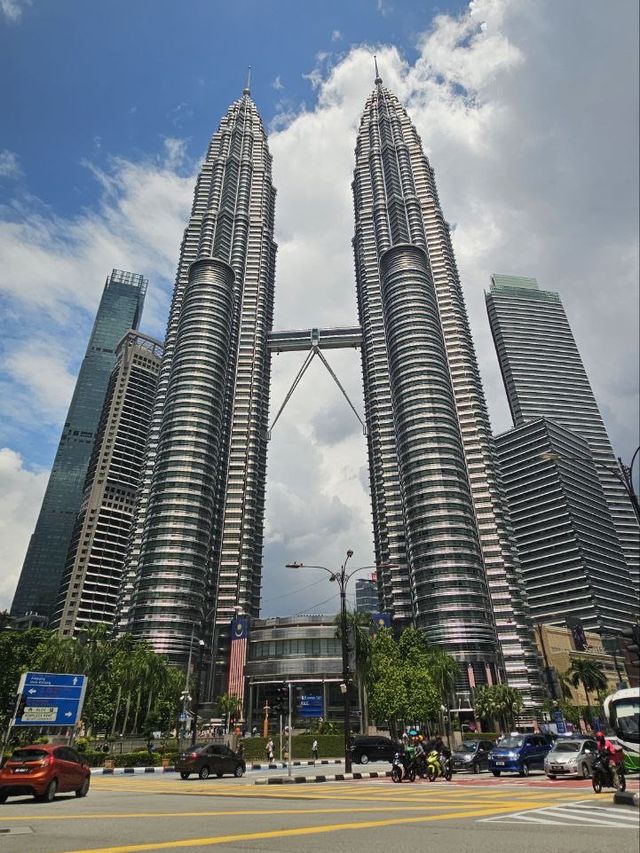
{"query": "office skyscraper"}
(367, 595)
(572, 562)
(119, 310)
(196, 550)
(544, 377)
(439, 522)
(91, 584)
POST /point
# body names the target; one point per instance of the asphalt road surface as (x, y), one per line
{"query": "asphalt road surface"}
(127, 814)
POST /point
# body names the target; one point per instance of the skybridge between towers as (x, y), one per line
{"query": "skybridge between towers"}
(313, 341)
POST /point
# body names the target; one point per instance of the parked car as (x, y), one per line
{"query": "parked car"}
(518, 753)
(366, 748)
(571, 757)
(205, 760)
(42, 771)
(472, 755)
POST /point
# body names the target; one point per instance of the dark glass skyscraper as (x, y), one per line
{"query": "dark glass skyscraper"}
(119, 310)
(544, 376)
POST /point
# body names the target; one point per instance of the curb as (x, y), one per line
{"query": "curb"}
(627, 798)
(337, 777)
(121, 771)
(283, 764)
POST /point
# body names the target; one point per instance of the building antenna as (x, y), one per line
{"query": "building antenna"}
(247, 88)
(378, 79)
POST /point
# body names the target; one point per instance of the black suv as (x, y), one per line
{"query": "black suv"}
(366, 748)
(205, 760)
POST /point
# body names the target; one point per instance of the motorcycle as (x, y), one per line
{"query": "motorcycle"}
(402, 768)
(439, 765)
(607, 775)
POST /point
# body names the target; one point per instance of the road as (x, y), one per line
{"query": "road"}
(132, 814)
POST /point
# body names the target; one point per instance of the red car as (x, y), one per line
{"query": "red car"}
(43, 771)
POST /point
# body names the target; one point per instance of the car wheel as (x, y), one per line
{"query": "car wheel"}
(50, 792)
(364, 759)
(585, 771)
(496, 772)
(184, 775)
(83, 790)
(476, 767)
(239, 771)
(204, 772)
(219, 775)
(551, 776)
(524, 770)
(3, 796)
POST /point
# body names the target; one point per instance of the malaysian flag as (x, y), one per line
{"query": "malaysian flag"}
(238, 655)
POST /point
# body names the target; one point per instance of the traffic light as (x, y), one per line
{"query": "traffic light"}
(281, 701)
(22, 704)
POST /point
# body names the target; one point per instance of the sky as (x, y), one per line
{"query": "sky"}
(528, 111)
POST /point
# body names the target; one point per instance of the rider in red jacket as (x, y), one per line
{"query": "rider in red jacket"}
(614, 753)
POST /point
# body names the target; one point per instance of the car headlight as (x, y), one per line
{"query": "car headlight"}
(468, 757)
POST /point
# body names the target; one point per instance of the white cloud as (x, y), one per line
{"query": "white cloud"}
(13, 9)
(57, 265)
(40, 367)
(336, 35)
(277, 84)
(21, 494)
(9, 164)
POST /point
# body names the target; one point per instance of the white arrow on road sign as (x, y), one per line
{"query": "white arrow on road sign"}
(75, 681)
(33, 691)
(68, 714)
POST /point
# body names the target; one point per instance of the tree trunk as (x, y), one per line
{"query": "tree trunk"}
(149, 701)
(115, 716)
(126, 713)
(365, 708)
(134, 729)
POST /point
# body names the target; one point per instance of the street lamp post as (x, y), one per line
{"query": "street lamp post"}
(342, 578)
(196, 700)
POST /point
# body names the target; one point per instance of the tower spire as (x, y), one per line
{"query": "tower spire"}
(378, 79)
(247, 88)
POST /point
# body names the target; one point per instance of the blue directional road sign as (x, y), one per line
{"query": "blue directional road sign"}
(52, 698)
(310, 706)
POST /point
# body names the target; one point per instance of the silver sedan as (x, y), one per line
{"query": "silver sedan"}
(570, 757)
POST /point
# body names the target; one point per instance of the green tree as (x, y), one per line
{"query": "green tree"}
(498, 702)
(386, 688)
(17, 655)
(359, 633)
(229, 706)
(588, 673)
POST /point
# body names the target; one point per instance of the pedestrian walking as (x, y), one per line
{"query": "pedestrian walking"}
(270, 750)
(314, 749)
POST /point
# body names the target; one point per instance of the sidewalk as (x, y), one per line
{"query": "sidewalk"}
(335, 777)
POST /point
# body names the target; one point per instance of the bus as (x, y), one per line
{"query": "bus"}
(622, 711)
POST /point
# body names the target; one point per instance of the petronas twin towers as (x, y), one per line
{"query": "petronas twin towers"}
(447, 563)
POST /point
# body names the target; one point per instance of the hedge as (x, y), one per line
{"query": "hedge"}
(329, 746)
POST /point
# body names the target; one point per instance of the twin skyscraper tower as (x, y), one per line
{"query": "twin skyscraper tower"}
(445, 555)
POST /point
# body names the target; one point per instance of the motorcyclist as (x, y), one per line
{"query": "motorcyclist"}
(609, 751)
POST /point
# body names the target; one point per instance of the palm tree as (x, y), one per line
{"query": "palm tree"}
(229, 706)
(588, 673)
(444, 671)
